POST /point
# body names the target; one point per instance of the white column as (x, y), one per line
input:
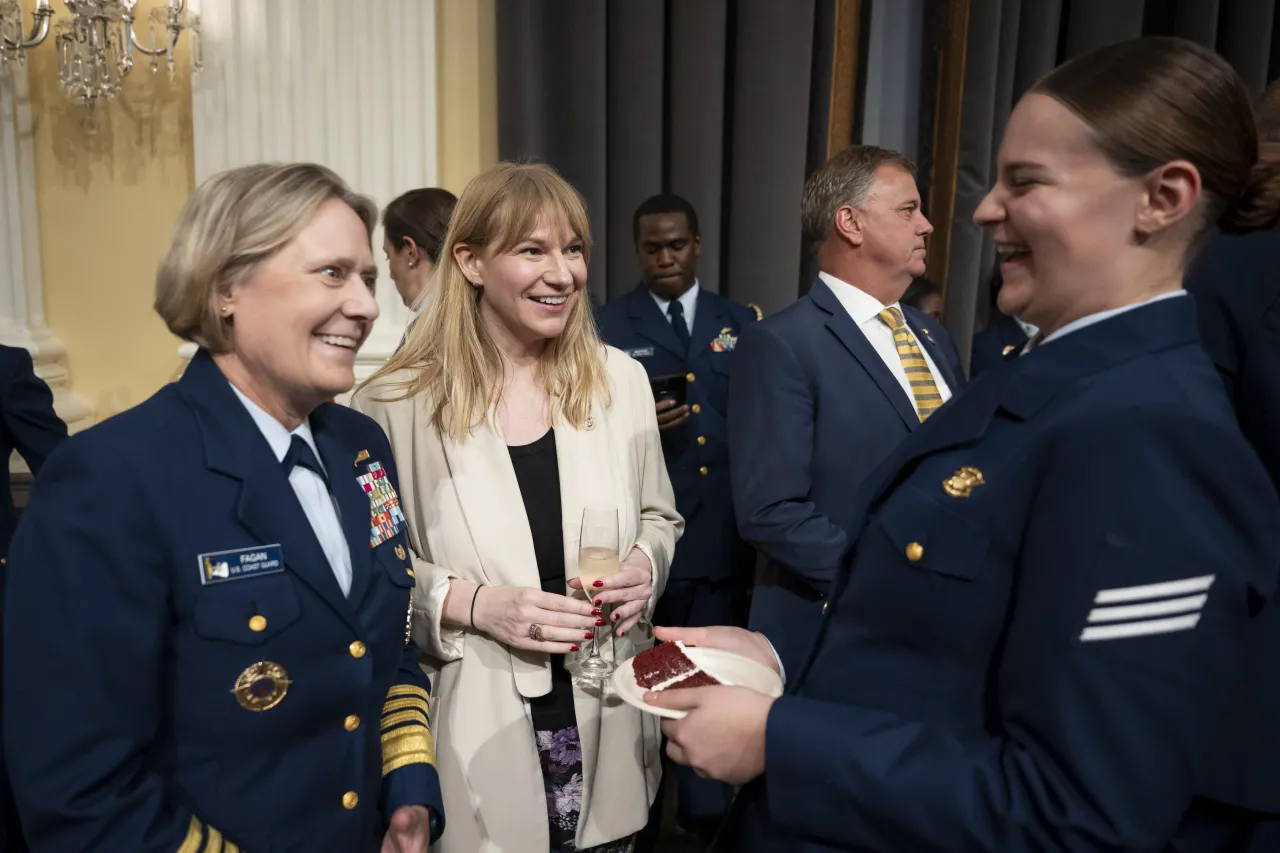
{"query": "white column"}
(22, 322)
(349, 84)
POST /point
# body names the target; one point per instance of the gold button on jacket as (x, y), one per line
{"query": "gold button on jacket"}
(357, 649)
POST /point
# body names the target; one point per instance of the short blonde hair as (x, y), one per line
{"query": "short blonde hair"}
(234, 221)
(449, 355)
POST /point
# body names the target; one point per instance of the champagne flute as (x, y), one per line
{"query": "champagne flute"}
(597, 558)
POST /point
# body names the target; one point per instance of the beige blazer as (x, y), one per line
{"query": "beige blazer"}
(467, 520)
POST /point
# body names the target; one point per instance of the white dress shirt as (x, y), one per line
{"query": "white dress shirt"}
(317, 503)
(688, 299)
(865, 310)
(1090, 319)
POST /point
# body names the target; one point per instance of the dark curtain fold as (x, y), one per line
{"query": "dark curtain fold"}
(1012, 43)
(709, 99)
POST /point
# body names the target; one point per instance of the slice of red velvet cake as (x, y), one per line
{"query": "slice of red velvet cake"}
(667, 667)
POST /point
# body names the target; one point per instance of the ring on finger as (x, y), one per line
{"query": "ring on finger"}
(535, 632)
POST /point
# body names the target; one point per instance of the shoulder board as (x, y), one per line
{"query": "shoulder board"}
(756, 308)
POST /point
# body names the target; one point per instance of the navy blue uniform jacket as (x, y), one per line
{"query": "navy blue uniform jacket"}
(29, 425)
(1001, 340)
(697, 452)
(1236, 283)
(122, 728)
(1037, 633)
(813, 410)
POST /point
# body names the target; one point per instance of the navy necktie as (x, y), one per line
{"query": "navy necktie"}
(300, 453)
(676, 312)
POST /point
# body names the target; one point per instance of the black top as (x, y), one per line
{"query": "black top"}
(538, 475)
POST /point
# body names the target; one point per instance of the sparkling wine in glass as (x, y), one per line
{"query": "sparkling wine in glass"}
(597, 559)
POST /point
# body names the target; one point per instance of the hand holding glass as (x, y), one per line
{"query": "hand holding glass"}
(597, 559)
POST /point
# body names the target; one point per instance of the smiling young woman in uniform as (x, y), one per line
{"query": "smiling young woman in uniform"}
(1037, 639)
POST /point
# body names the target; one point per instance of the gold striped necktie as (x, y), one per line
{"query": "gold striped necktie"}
(923, 389)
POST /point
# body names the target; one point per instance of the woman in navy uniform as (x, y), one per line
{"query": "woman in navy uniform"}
(1037, 639)
(206, 642)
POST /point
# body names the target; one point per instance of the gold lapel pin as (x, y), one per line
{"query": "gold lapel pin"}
(961, 483)
(361, 456)
(1005, 352)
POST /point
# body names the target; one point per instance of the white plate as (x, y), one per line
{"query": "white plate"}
(730, 669)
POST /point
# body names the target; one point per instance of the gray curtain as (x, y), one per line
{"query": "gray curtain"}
(1012, 43)
(715, 100)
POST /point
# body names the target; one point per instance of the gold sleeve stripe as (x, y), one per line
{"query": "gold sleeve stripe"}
(407, 690)
(405, 751)
(213, 844)
(405, 732)
(403, 717)
(392, 705)
(756, 308)
(228, 847)
(195, 834)
(406, 760)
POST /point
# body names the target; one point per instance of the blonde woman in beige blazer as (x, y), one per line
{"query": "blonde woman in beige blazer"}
(507, 416)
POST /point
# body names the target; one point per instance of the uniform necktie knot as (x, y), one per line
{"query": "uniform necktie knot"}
(300, 453)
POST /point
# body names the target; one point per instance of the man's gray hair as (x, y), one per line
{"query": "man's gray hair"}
(845, 179)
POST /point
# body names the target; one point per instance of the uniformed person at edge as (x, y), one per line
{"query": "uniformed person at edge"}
(206, 639)
(1037, 640)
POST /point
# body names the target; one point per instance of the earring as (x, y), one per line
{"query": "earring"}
(412, 264)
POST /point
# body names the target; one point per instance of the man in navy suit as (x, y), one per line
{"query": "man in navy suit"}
(676, 329)
(27, 424)
(823, 391)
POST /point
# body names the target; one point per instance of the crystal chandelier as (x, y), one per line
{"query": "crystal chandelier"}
(95, 46)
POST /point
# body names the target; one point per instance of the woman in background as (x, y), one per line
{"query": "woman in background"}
(509, 416)
(413, 227)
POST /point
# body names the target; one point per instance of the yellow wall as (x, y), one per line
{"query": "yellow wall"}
(467, 66)
(107, 200)
(106, 203)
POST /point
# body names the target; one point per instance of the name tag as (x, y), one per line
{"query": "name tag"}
(640, 352)
(240, 563)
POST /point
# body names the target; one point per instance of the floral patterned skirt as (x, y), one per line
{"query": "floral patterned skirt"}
(560, 752)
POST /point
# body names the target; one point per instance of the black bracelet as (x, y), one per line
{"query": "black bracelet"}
(474, 596)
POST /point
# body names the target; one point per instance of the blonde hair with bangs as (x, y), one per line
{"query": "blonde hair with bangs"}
(448, 353)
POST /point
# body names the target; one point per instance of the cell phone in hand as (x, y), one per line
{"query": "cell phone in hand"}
(671, 387)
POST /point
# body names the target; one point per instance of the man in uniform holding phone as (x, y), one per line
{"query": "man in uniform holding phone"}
(685, 337)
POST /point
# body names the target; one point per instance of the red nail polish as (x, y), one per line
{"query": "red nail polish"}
(622, 633)
(588, 635)
(600, 622)
(598, 583)
(595, 613)
(615, 617)
(598, 602)
(573, 648)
